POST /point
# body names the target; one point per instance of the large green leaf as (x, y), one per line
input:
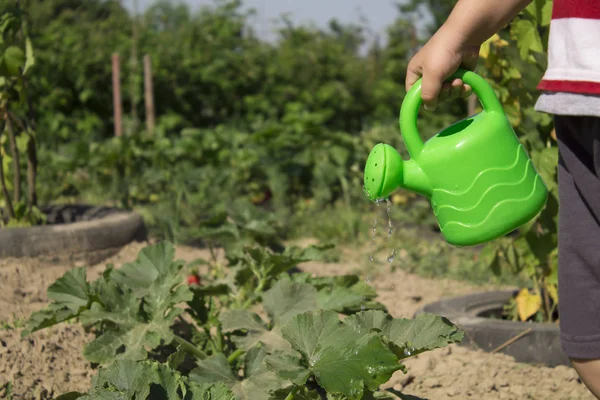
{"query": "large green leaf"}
(255, 331)
(345, 293)
(151, 263)
(338, 299)
(70, 295)
(286, 299)
(288, 366)
(409, 336)
(71, 290)
(258, 383)
(343, 360)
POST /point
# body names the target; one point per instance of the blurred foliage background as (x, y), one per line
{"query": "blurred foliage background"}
(255, 139)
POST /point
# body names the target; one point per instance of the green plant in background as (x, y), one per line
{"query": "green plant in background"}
(18, 122)
(514, 62)
(219, 347)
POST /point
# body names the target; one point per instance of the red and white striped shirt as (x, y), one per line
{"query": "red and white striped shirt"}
(573, 48)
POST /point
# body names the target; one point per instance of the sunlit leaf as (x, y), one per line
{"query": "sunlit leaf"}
(528, 303)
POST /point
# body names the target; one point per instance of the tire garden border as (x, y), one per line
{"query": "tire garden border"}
(74, 233)
(527, 342)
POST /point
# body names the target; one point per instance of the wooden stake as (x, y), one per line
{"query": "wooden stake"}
(148, 94)
(133, 75)
(116, 80)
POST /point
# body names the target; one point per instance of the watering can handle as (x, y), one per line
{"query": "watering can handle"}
(412, 102)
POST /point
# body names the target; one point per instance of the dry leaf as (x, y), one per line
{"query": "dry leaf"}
(528, 303)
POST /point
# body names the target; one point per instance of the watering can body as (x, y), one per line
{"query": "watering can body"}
(477, 175)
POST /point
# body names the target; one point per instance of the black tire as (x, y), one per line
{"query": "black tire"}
(74, 233)
(539, 346)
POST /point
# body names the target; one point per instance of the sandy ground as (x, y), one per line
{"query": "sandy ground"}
(50, 362)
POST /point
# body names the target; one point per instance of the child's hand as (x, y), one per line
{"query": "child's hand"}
(441, 56)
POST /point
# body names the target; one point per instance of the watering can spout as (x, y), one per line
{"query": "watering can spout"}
(385, 172)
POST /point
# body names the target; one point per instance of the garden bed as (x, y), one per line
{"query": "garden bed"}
(51, 362)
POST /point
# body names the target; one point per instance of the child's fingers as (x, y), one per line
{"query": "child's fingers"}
(413, 74)
(446, 92)
(466, 91)
(456, 88)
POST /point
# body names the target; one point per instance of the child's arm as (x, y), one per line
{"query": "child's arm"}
(457, 43)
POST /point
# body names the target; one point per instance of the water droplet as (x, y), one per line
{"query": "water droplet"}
(373, 237)
(392, 256)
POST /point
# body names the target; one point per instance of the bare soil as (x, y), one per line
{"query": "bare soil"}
(50, 362)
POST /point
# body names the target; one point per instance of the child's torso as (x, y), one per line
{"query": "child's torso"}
(572, 80)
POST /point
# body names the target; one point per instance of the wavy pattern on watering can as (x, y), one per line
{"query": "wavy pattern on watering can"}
(499, 192)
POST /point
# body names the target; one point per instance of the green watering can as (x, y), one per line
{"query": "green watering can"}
(476, 174)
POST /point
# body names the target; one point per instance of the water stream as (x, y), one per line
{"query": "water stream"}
(390, 230)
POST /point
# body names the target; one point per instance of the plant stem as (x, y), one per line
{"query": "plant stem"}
(9, 208)
(31, 159)
(16, 158)
(31, 171)
(190, 348)
(547, 301)
(292, 393)
(219, 339)
(247, 304)
(233, 356)
(212, 252)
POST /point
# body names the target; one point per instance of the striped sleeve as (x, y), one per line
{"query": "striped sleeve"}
(573, 48)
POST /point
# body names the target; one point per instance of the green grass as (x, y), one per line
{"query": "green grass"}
(338, 224)
(427, 253)
(15, 324)
(437, 259)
